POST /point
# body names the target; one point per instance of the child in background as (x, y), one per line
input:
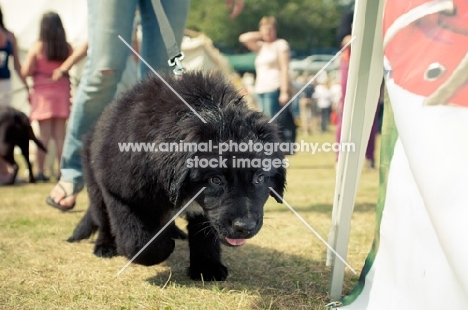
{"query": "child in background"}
(323, 97)
(50, 100)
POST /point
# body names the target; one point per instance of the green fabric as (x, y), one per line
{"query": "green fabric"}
(388, 139)
(242, 62)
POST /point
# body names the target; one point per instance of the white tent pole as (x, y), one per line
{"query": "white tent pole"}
(365, 77)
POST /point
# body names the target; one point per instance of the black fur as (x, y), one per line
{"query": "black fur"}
(134, 194)
(15, 130)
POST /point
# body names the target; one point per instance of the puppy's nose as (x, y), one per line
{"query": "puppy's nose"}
(244, 227)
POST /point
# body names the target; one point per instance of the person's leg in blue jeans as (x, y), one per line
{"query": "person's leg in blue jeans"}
(107, 54)
(270, 103)
(260, 104)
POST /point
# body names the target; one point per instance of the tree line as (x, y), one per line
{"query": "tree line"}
(305, 24)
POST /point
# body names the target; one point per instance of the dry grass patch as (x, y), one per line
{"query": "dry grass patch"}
(281, 268)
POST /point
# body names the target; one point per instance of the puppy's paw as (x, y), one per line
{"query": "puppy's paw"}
(105, 250)
(212, 272)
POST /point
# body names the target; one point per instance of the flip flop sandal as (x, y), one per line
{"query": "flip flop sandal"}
(63, 185)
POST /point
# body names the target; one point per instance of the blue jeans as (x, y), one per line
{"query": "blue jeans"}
(107, 55)
(269, 103)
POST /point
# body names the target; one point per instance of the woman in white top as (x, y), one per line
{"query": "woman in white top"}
(271, 65)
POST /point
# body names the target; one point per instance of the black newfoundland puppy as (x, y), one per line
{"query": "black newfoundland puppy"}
(133, 194)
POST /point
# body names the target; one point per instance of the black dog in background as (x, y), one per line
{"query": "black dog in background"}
(134, 194)
(16, 130)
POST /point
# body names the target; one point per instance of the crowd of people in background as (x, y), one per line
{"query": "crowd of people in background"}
(321, 98)
(51, 57)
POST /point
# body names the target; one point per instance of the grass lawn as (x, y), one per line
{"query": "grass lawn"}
(283, 267)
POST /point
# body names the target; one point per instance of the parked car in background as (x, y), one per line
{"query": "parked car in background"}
(314, 63)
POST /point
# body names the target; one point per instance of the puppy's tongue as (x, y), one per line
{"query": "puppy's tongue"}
(235, 242)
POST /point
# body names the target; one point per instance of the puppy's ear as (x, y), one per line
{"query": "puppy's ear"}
(176, 187)
(279, 180)
(178, 178)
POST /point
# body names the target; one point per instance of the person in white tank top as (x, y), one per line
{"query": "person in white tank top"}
(271, 65)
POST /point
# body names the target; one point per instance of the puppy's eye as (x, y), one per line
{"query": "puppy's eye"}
(215, 180)
(259, 179)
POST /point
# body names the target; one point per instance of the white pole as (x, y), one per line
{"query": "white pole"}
(365, 77)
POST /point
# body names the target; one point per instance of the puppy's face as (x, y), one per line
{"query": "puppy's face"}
(236, 193)
(237, 180)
